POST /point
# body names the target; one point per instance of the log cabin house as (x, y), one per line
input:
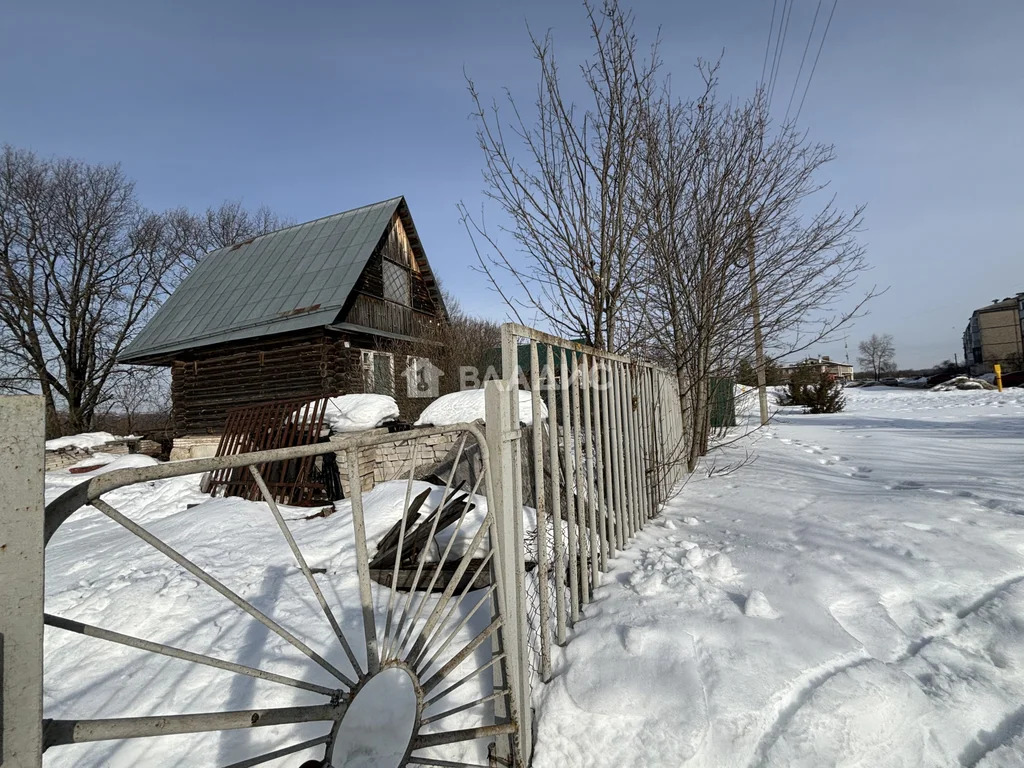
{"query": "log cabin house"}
(309, 310)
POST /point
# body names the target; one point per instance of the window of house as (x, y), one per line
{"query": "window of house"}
(378, 372)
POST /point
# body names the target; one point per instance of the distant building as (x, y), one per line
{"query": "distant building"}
(823, 364)
(995, 334)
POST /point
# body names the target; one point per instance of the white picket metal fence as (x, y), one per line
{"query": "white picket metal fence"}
(601, 461)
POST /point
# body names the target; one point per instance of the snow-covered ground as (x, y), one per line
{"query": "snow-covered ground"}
(843, 589)
(853, 596)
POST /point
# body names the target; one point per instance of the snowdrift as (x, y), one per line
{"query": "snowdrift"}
(355, 413)
(962, 382)
(469, 406)
(84, 441)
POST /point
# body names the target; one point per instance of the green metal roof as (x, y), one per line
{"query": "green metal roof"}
(295, 278)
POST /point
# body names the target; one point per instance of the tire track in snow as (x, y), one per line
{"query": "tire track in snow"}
(986, 742)
(959, 617)
(794, 700)
(992, 593)
(810, 681)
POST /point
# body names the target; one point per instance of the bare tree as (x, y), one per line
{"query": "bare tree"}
(730, 203)
(877, 355)
(82, 266)
(564, 179)
(134, 391)
(645, 223)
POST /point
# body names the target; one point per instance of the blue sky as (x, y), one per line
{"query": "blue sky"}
(316, 107)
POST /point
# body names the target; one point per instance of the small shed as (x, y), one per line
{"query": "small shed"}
(309, 310)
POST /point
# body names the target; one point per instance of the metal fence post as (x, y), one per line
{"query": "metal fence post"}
(506, 474)
(540, 505)
(22, 463)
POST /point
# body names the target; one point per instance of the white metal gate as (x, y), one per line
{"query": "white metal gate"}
(447, 640)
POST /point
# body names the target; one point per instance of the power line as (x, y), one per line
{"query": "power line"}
(780, 47)
(815, 66)
(796, 82)
(768, 43)
(775, 53)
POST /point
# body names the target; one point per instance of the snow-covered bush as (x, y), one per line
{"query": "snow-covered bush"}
(826, 395)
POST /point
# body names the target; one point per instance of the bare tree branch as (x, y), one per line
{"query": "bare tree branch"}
(82, 267)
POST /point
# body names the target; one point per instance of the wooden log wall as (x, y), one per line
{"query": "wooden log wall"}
(371, 281)
(212, 382)
(421, 298)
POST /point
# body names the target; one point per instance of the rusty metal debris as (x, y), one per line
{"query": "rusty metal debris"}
(305, 481)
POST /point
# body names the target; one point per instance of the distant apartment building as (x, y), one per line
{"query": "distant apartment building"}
(823, 364)
(995, 334)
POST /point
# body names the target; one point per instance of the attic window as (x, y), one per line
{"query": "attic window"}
(396, 283)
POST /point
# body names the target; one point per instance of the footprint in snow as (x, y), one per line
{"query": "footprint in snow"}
(860, 710)
(905, 485)
(868, 622)
(999, 505)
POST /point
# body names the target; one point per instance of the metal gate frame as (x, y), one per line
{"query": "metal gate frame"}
(23, 732)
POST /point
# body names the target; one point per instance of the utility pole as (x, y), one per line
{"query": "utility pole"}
(762, 392)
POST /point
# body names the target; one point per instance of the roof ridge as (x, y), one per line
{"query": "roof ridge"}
(304, 223)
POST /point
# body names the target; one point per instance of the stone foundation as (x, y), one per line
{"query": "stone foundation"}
(377, 463)
(194, 447)
(380, 463)
(392, 461)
